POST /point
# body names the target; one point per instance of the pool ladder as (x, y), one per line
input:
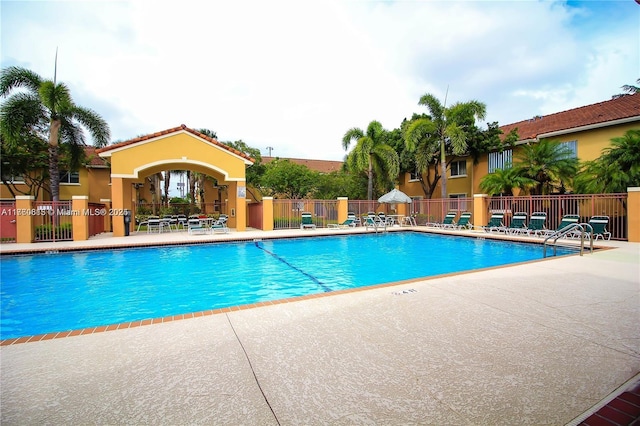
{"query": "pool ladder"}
(582, 227)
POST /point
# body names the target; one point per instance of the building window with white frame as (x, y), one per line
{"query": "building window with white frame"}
(571, 146)
(458, 168)
(67, 177)
(500, 160)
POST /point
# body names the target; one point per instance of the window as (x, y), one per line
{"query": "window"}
(69, 177)
(459, 168)
(570, 146)
(500, 160)
(414, 175)
(12, 179)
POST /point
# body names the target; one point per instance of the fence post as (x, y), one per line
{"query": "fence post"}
(79, 217)
(24, 218)
(480, 210)
(633, 214)
(267, 213)
(343, 209)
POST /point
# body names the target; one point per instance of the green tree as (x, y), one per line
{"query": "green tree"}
(450, 126)
(617, 169)
(549, 163)
(288, 179)
(628, 89)
(35, 107)
(330, 186)
(24, 162)
(255, 172)
(371, 154)
(504, 181)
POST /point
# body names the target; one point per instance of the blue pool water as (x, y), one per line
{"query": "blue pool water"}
(46, 293)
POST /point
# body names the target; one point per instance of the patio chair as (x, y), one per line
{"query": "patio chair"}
(356, 219)
(220, 224)
(154, 224)
(349, 223)
(495, 222)
(536, 225)
(463, 221)
(447, 222)
(307, 221)
(518, 222)
(373, 221)
(196, 226)
(599, 225)
(568, 219)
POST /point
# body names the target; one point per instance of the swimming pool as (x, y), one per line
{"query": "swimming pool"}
(47, 293)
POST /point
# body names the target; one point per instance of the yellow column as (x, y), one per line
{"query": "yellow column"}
(267, 214)
(480, 213)
(633, 214)
(118, 200)
(79, 217)
(241, 206)
(343, 209)
(24, 219)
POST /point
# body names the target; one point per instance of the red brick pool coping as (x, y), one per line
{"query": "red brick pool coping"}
(171, 318)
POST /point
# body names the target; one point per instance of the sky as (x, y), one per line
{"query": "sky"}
(296, 75)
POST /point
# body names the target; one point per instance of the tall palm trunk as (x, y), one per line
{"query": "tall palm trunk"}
(443, 163)
(167, 183)
(370, 179)
(54, 173)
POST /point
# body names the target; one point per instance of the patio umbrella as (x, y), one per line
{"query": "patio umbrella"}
(395, 197)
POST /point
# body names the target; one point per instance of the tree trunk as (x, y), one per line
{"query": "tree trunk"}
(443, 162)
(167, 183)
(54, 171)
(370, 180)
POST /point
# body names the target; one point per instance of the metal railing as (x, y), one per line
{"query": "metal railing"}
(556, 206)
(287, 213)
(52, 221)
(573, 227)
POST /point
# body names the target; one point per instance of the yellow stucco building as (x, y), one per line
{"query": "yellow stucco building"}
(586, 131)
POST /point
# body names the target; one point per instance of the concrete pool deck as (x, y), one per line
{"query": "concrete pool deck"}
(539, 343)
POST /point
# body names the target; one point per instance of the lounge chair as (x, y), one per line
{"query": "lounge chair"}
(356, 219)
(349, 223)
(373, 221)
(307, 221)
(518, 222)
(536, 225)
(599, 225)
(495, 222)
(463, 221)
(568, 219)
(196, 226)
(220, 224)
(154, 224)
(447, 222)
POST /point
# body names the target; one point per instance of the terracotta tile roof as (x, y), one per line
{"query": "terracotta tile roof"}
(322, 166)
(93, 160)
(180, 128)
(625, 107)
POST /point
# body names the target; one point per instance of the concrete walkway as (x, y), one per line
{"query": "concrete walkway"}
(541, 343)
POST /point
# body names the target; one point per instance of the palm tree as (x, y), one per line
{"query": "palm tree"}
(549, 163)
(628, 89)
(617, 169)
(504, 181)
(45, 109)
(371, 154)
(451, 125)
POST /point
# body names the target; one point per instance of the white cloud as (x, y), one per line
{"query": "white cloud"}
(296, 75)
